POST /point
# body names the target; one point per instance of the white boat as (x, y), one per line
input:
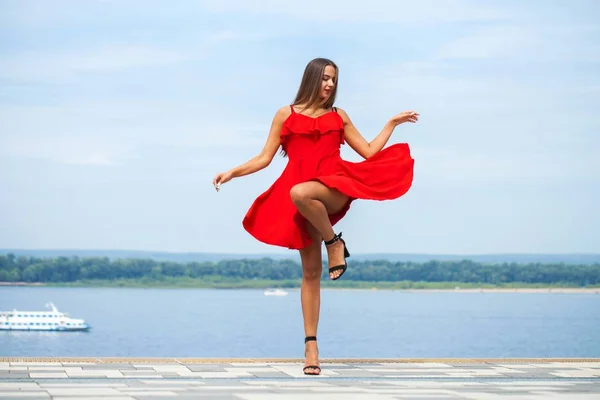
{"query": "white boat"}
(275, 292)
(40, 321)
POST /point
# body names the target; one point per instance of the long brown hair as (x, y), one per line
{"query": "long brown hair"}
(310, 86)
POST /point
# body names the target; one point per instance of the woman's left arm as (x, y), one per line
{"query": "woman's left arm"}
(367, 149)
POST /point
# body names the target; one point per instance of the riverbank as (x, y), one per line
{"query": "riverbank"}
(292, 285)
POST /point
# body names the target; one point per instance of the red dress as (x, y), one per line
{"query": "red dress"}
(313, 148)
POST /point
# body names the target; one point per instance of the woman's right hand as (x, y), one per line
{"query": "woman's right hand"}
(221, 178)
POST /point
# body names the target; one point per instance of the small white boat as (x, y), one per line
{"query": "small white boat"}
(40, 321)
(275, 292)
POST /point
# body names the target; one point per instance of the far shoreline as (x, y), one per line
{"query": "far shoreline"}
(458, 289)
(485, 290)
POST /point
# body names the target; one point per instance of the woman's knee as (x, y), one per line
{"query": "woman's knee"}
(300, 193)
(312, 269)
(312, 261)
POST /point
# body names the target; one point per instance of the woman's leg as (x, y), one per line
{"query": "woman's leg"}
(315, 202)
(310, 295)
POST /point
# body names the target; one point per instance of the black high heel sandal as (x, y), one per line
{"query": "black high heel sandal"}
(344, 266)
(305, 369)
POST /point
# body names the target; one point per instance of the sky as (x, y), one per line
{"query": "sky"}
(116, 115)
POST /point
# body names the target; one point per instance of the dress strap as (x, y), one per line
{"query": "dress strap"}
(334, 109)
(292, 108)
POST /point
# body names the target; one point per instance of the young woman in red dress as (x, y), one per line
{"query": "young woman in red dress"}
(317, 186)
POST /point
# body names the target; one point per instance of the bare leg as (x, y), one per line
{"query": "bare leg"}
(310, 295)
(315, 201)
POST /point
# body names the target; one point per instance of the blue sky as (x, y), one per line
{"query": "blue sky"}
(115, 116)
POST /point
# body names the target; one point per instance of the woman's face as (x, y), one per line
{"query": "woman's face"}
(328, 82)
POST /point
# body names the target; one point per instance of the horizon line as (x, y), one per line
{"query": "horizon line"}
(8, 250)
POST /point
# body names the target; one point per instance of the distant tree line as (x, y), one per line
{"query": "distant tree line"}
(74, 269)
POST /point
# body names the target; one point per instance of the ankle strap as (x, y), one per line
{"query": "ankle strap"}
(310, 338)
(335, 239)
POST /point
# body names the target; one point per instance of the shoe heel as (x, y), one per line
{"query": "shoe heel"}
(343, 266)
(314, 367)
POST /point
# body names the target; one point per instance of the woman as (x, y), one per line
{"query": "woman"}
(317, 186)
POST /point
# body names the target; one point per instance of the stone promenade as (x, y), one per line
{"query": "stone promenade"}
(250, 379)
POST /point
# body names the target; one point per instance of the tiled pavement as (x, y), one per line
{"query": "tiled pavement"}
(283, 379)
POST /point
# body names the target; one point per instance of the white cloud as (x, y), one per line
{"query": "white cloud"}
(120, 132)
(405, 11)
(63, 67)
(525, 42)
(88, 60)
(70, 147)
(453, 164)
(43, 14)
(97, 159)
(495, 42)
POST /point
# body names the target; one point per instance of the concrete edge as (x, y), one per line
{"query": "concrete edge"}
(191, 360)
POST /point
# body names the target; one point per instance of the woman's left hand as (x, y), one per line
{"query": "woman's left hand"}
(405, 116)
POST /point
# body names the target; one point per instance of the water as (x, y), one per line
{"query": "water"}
(245, 323)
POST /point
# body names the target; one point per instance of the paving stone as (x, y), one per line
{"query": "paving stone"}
(267, 375)
(83, 391)
(217, 365)
(7, 374)
(88, 398)
(425, 396)
(98, 384)
(14, 375)
(209, 368)
(108, 366)
(9, 368)
(18, 385)
(206, 396)
(170, 375)
(182, 382)
(162, 393)
(46, 375)
(128, 372)
(108, 373)
(286, 381)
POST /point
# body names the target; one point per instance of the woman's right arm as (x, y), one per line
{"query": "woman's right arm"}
(264, 158)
